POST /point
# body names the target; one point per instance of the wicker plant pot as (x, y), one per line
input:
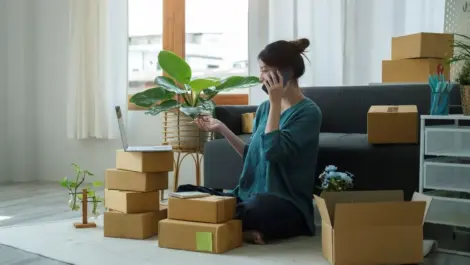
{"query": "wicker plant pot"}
(465, 99)
(182, 134)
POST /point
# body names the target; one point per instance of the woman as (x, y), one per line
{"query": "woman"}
(276, 185)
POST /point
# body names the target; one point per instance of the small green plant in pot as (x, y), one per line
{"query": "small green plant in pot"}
(461, 46)
(75, 192)
(179, 91)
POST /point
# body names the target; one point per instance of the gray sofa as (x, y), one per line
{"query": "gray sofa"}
(343, 138)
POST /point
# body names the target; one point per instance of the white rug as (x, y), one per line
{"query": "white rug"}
(61, 241)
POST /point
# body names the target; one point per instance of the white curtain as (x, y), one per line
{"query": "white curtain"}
(92, 88)
(349, 38)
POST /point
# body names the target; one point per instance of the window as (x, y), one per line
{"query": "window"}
(145, 42)
(217, 38)
(212, 35)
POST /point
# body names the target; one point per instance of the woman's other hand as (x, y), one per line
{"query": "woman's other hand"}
(274, 84)
(209, 124)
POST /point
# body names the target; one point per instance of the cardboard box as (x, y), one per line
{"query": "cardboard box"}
(117, 179)
(412, 70)
(393, 124)
(372, 227)
(132, 225)
(423, 45)
(212, 209)
(132, 202)
(201, 237)
(144, 161)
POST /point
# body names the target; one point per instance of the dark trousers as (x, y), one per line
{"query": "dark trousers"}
(274, 217)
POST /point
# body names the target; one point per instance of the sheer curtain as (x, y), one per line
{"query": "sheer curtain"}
(348, 38)
(97, 79)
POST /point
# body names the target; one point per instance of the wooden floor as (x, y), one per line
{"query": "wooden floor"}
(42, 202)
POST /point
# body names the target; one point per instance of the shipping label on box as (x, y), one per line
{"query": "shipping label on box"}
(145, 161)
(201, 237)
(372, 227)
(412, 70)
(132, 225)
(423, 45)
(132, 202)
(117, 179)
(392, 124)
(212, 209)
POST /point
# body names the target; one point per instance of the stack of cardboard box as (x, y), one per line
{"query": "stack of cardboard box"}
(132, 193)
(416, 56)
(201, 224)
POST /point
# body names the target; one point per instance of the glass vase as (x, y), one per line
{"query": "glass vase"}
(439, 103)
(74, 202)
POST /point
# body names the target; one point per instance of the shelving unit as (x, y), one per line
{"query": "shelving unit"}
(445, 172)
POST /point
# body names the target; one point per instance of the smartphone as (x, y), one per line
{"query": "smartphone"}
(286, 76)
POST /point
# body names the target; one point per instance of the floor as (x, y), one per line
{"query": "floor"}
(42, 202)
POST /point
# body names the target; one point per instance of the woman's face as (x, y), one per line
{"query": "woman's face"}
(264, 70)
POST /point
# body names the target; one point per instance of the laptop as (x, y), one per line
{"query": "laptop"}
(125, 145)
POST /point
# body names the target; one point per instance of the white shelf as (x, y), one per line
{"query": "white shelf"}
(445, 117)
(448, 174)
(448, 128)
(445, 209)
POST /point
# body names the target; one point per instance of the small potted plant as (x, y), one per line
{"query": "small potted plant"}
(75, 192)
(461, 62)
(183, 98)
(334, 180)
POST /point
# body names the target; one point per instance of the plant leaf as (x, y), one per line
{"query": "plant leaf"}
(198, 85)
(175, 66)
(163, 106)
(88, 173)
(168, 84)
(97, 184)
(64, 182)
(77, 168)
(237, 82)
(151, 96)
(192, 112)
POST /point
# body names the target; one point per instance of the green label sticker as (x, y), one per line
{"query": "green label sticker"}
(204, 241)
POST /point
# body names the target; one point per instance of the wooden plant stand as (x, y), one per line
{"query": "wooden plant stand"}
(84, 223)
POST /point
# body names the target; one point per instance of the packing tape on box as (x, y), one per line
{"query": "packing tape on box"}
(204, 241)
(392, 109)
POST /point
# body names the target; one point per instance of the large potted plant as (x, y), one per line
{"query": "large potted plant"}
(461, 61)
(183, 98)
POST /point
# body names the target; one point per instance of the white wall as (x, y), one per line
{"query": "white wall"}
(18, 91)
(3, 92)
(38, 131)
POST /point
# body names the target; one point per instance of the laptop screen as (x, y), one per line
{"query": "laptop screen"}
(122, 129)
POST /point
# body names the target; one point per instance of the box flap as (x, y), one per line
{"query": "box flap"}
(379, 214)
(394, 109)
(323, 209)
(421, 197)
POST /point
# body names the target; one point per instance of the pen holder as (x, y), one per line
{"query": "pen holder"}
(439, 103)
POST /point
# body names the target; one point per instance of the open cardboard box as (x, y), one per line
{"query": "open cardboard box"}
(372, 227)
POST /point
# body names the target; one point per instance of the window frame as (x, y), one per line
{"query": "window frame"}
(174, 39)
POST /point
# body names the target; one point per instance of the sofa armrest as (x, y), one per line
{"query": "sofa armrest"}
(231, 116)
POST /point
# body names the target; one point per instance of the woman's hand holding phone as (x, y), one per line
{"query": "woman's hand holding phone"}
(274, 83)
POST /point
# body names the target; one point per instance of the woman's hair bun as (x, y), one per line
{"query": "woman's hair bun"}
(301, 44)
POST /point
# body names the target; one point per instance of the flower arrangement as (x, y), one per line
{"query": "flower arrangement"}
(334, 180)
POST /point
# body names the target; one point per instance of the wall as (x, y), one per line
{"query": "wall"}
(56, 152)
(3, 92)
(18, 91)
